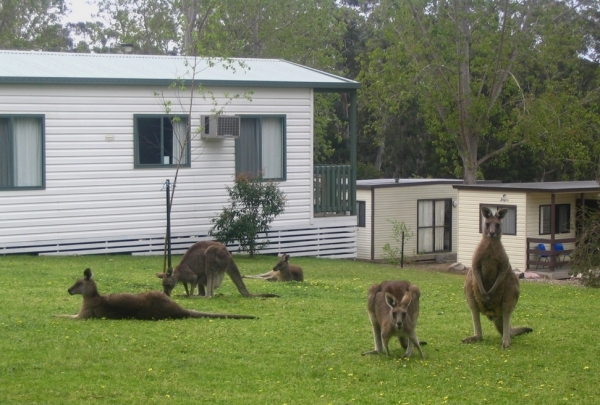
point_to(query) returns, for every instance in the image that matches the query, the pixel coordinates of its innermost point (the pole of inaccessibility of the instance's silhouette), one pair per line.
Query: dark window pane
(167, 141)
(248, 147)
(5, 154)
(149, 140)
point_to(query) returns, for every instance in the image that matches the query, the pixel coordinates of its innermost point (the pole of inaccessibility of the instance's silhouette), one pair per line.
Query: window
(260, 149)
(161, 141)
(21, 152)
(434, 225)
(509, 223)
(361, 209)
(562, 218)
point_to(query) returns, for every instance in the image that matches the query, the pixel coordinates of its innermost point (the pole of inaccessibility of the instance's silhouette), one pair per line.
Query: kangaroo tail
(236, 277)
(197, 314)
(519, 330)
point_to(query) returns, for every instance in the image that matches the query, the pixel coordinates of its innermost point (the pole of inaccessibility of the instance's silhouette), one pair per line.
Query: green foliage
(585, 259)
(401, 234)
(254, 204)
(304, 348)
(367, 171)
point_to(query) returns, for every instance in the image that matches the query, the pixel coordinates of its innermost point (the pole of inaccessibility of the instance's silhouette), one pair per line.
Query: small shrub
(255, 203)
(393, 255)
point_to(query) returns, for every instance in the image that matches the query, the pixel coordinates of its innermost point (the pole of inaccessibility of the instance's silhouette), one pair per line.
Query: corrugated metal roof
(549, 187)
(80, 68)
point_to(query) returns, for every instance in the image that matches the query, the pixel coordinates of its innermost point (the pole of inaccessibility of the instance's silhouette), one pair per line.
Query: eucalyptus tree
(33, 25)
(468, 63)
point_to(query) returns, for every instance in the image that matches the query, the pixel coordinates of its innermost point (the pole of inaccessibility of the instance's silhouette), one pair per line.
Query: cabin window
(260, 149)
(161, 141)
(509, 223)
(562, 218)
(434, 225)
(361, 209)
(21, 152)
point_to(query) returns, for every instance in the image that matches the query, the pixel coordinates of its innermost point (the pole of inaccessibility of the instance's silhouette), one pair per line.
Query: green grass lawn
(305, 348)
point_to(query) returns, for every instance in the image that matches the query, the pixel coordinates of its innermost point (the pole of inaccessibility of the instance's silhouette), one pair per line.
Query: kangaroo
(195, 261)
(151, 305)
(393, 308)
(282, 271)
(183, 274)
(491, 287)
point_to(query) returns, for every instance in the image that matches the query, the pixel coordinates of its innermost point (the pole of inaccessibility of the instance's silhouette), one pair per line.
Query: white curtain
(272, 148)
(27, 152)
(440, 213)
(179, 141)
(425, 235)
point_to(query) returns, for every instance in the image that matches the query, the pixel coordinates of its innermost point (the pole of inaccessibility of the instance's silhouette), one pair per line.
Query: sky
(81, 11)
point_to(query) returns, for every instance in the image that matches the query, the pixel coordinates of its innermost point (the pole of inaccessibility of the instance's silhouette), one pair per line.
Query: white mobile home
(538, 214)
(88, 140)
(425, 206)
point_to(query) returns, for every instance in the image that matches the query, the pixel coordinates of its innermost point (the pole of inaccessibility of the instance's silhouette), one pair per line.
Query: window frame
(42, 118)
(556, 218)
(447, 227)
(136, 142)
(498, 207)
(283, 118)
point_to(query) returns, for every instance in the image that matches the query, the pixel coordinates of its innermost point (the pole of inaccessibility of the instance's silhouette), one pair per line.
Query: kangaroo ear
(390, 300)
(160, 275)
(502, 213)
(406, 299)
(286, 257)
(170, 271)
(487, 213)
(87, 273)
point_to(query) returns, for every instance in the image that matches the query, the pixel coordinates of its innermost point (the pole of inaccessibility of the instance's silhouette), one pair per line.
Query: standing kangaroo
(200, 257)
(393, 308)
(282, 271)
(491, 287)
(151, 305)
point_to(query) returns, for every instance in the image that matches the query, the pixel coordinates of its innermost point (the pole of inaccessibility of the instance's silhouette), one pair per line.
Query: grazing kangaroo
(282, 271)
(195, 261)
(182, 274)
(151, 305)
(393, 308)
(491, 287)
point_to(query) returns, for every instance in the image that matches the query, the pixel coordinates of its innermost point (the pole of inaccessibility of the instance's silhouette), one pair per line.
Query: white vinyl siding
(469, 235)
(93, 191)
(400, 204)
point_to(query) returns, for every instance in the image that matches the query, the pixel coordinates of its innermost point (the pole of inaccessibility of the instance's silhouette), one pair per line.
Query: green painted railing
(334, 191)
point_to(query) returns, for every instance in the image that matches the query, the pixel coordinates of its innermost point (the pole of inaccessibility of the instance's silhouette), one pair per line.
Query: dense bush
(585, 259)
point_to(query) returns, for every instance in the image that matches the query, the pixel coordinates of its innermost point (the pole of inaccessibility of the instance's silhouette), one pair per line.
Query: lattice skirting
(318, 241)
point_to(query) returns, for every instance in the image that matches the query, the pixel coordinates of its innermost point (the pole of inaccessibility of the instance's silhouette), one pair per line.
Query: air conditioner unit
(220, 127)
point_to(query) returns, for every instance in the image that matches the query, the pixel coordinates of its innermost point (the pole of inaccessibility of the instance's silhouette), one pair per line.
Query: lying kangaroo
(393, 308)
(151, 305)
(491, 287)
(195, 261)
(282, 271)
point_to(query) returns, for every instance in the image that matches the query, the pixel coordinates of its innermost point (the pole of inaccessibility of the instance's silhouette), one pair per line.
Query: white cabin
(87, 142)
(538, 213)
(425, 206)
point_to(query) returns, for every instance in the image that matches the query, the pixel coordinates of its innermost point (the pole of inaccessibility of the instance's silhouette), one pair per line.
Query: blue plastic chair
(541, 246)
(560, 248)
